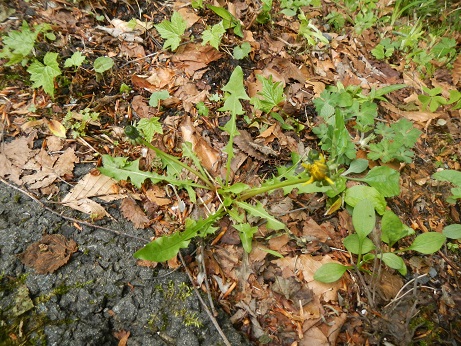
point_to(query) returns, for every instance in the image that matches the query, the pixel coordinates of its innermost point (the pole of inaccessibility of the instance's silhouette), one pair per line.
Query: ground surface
(100, 294)
(66, 283)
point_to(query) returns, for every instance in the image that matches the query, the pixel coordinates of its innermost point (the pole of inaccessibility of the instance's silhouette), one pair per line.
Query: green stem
(265, 189)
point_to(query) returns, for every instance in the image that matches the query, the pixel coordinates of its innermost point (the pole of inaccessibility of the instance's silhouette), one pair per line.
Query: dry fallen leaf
(134, 213)
(48, 168)
(49, 253)
(122, 337)
(13, 156)
(157, 195)
(208, 156)
(91, 185)
(57, 128)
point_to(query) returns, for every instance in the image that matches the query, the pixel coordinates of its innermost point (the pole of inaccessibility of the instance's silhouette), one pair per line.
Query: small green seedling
(172, 31)
(43, 75)
(19, 44)
(103, 64)
(213, 35)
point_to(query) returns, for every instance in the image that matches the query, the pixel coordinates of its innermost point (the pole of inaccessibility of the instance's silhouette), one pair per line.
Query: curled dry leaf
(49, 253)
(208, 156)
(91, 185)
(134, 213)
(57, 128)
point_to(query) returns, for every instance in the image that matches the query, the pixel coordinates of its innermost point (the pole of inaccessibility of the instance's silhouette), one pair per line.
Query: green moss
(174, 297)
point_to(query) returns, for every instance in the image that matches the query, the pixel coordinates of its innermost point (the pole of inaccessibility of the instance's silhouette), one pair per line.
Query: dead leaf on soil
(125, 31)
(134, 213)
(308, 266)
(157, 195)
(14, 155)
(419, 116)
(49, 253)
(90, 185)
(48, 168)
(208, 156)
(122, 337)
(193, 57)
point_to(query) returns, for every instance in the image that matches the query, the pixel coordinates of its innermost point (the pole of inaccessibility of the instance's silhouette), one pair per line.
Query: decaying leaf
(134, 213)
(14, 155)
(57, 128)
(208, 156)
(308, 265)
(157, 195)
(90, 185)
(193, 57)
(122, 337)
(243, 142)
(48, 168)
(49, 253)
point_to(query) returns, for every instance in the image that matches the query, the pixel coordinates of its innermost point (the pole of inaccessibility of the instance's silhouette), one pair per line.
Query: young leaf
(384, 179)
(242, 51)
(392, 229)
(364, 218)
(172, 31)
(234, 188)
(452, 231)
(358, 246)
(271, 252)
(236, 91)
(272, 94)
(102, 64)
(428, 243)
(394, 262)
(120, 169)
(357, 166)
(213, 35)
(246, 232)
(359, 192)
(163, 248)
(43, 74)
(259, 211)
(149, 127)
(449, 175)
(76, 60)
(19, 44)
(157, 96)
(330, 272)
(453, 177)
(229, 21)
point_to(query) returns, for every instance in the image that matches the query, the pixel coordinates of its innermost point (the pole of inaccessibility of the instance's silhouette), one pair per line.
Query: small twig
(212, 318)
(71, 218)
(398, 296)
(207, 285)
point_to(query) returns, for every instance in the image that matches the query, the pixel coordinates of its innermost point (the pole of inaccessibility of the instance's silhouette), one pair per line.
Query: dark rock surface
(100, 290)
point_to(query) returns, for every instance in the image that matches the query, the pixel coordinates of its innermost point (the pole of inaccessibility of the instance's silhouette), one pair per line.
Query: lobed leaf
(259, 211)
